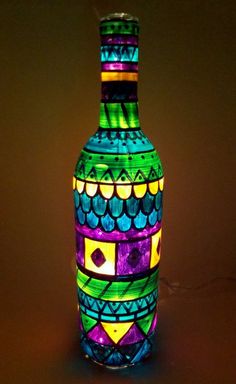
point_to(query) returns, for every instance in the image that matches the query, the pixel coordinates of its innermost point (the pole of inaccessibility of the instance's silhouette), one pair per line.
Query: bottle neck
(119, 75)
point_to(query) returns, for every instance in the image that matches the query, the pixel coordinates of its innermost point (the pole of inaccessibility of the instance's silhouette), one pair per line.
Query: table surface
(195, 342)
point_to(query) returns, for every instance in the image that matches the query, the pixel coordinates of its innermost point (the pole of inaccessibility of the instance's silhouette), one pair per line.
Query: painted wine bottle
(118, 187)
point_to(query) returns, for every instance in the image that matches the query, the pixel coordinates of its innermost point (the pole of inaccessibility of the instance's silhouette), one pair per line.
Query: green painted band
(116, 290)
(119, 27)
(119, 115)
(121, 169)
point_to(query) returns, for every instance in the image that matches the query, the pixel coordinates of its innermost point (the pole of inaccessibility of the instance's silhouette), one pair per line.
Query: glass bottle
(118, 184)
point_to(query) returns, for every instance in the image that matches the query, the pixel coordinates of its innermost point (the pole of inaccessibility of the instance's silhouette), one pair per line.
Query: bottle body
(118, 186)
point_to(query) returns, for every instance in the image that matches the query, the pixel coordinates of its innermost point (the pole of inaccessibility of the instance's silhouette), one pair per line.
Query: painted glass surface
(118, 187)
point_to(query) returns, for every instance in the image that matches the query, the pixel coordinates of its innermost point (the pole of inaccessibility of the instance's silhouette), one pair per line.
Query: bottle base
(112, 367)
(116, 368)
(117, 357)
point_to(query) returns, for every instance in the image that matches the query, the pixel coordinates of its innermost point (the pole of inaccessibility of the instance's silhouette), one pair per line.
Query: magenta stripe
(119, 39)
(128, 67)
(99, 234)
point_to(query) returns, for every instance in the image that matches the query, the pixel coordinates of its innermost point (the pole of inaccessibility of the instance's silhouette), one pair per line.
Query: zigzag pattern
(123, 168)
(117, 310)
(121, 53)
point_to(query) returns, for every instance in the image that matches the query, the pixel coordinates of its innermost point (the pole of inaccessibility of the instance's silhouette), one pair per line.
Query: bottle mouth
(119, 16)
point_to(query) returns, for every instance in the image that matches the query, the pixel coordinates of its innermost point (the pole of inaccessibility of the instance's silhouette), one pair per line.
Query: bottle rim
(119, 16)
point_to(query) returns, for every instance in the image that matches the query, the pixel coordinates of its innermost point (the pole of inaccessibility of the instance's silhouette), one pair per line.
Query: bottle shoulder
(119, 157)
(120, 142)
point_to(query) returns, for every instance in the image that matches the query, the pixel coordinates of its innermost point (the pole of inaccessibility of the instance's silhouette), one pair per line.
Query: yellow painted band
(119, 76)
(140, 190)
(161, 183)
(123, 191)
(107, 190)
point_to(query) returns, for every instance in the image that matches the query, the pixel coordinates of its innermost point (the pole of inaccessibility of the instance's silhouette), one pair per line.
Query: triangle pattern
(98, 335)
(95, 306)
(92, 174)
(141, 304)
(123, 176)
(81, 170)
(107, 176)
(114, 306)
(100, 352)
(154, 323)
(144, 350)
(134, 307)
(114, 359)
(123, 310)
(86, 347)
(128, 304)
(130, 350)
(146, 322)
(152, 174)
(116, 330)
(101, 305)
(132, 336)
(87, 322)
(117, 356)
(140, 177)
(108, 309)
(86, 301)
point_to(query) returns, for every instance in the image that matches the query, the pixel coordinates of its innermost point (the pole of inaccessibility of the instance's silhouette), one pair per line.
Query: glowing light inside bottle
(118, 187)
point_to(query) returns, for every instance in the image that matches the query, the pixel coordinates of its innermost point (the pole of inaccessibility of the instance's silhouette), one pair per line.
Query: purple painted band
(119, 39)
(119, 91)
(99, 234)
(128, 67)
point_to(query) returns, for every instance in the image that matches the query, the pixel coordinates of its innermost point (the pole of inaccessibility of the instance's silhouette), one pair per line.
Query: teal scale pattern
(117, 213)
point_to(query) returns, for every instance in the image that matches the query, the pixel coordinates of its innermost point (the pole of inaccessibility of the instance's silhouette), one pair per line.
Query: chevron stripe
(119, 53)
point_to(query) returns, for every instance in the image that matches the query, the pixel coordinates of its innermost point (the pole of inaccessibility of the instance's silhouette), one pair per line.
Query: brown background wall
(49, 107)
